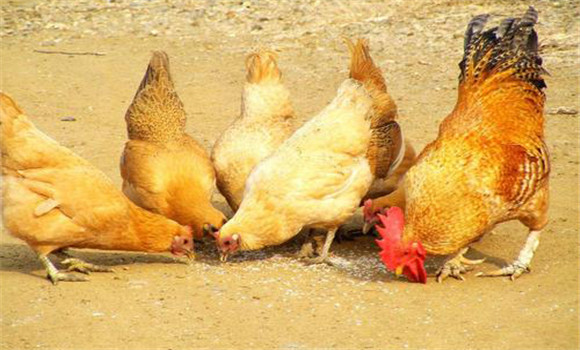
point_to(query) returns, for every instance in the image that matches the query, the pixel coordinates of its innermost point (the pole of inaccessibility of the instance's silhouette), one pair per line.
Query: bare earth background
(264, 299)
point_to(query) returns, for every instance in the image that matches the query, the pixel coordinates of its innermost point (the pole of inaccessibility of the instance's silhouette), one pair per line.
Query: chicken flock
(489, 164)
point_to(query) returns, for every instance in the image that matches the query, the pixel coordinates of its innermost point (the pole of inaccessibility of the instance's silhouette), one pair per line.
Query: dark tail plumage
(511, 47)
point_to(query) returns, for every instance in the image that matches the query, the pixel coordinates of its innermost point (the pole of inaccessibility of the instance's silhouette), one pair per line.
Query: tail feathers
(363, 69)
(26, 147)
(8, 108)
(156, 113)
(386, 149)
(157, 72)
(262, 66)
(511, 47)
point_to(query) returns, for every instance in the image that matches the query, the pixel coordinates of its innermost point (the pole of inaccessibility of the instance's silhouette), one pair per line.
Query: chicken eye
(227, 242)
(185, 241)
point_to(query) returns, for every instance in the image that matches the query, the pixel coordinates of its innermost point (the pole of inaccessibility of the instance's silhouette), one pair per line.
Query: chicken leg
(455, 266)
(322, 258)
(522, 263)
(55, 275)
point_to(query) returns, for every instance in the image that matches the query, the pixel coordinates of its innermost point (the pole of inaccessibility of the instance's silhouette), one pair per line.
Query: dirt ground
(264, 299)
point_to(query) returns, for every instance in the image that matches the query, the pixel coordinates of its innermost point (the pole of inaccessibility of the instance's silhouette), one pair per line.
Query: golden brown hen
(54, 199)
(489, 163)
(164, 169)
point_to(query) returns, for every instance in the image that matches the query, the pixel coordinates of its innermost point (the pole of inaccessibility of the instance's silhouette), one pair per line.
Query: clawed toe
(84, 267)
(318, 260)
(456, 266)
(67, 277)
(513, 270)
(452, 270)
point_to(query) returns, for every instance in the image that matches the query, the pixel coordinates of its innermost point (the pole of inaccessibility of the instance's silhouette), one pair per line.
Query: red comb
(392, 251)
(390, 233)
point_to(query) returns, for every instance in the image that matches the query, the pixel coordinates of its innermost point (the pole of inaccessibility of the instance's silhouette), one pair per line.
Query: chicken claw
(457, 265)
(68, 277)
(306, 251)
(55, 275)
(522, 263)
(319, 260)
(514, 270)
(78, 265)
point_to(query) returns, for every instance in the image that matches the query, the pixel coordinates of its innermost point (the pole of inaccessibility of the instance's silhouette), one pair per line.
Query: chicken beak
(399, 270)
(190, 255)
(224, 257)
(366, 227)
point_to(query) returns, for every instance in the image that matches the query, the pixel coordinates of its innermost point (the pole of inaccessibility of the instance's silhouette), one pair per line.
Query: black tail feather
(512, 45)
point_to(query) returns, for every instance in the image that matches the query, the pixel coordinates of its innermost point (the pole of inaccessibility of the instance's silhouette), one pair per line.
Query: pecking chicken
(53, 199)
(489, 163)
(164, 170)
(267, 119)
(317, 177)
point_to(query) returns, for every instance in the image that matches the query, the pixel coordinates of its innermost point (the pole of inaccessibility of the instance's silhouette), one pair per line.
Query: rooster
(489, 163)
(165, 170)
(317, 178)
(267, 119)
(53, 199)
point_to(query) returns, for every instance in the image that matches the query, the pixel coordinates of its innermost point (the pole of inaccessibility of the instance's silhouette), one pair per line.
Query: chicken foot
(522, 263)
(307, 247)
(457, 265)
(323, 256)
(55, 275)
(76, 264)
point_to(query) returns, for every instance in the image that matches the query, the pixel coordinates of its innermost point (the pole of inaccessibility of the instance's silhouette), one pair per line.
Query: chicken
(489, 163)
(317, 178)
(164, 170)
(267, 119)
(53, 199)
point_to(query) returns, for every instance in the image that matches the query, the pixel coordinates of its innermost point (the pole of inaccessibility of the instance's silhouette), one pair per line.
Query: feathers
(156, 113)
(53, 198)
(386, 149)
(165, 170)
(363, 69)
(266, 120)
(316, 178)
(45, 206)
(262, 67)
(386, 146)
(512, 47)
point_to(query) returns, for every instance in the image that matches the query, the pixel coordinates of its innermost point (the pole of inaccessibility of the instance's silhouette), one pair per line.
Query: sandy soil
(264, 299)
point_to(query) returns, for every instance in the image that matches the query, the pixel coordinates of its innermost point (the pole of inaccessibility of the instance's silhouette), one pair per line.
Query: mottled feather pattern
(511, 46)
(156, 113)
(489, 163)
(386, 143)
(164, 169)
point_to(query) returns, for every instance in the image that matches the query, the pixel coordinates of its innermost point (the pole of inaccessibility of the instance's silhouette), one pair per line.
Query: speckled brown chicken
(164, 169)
